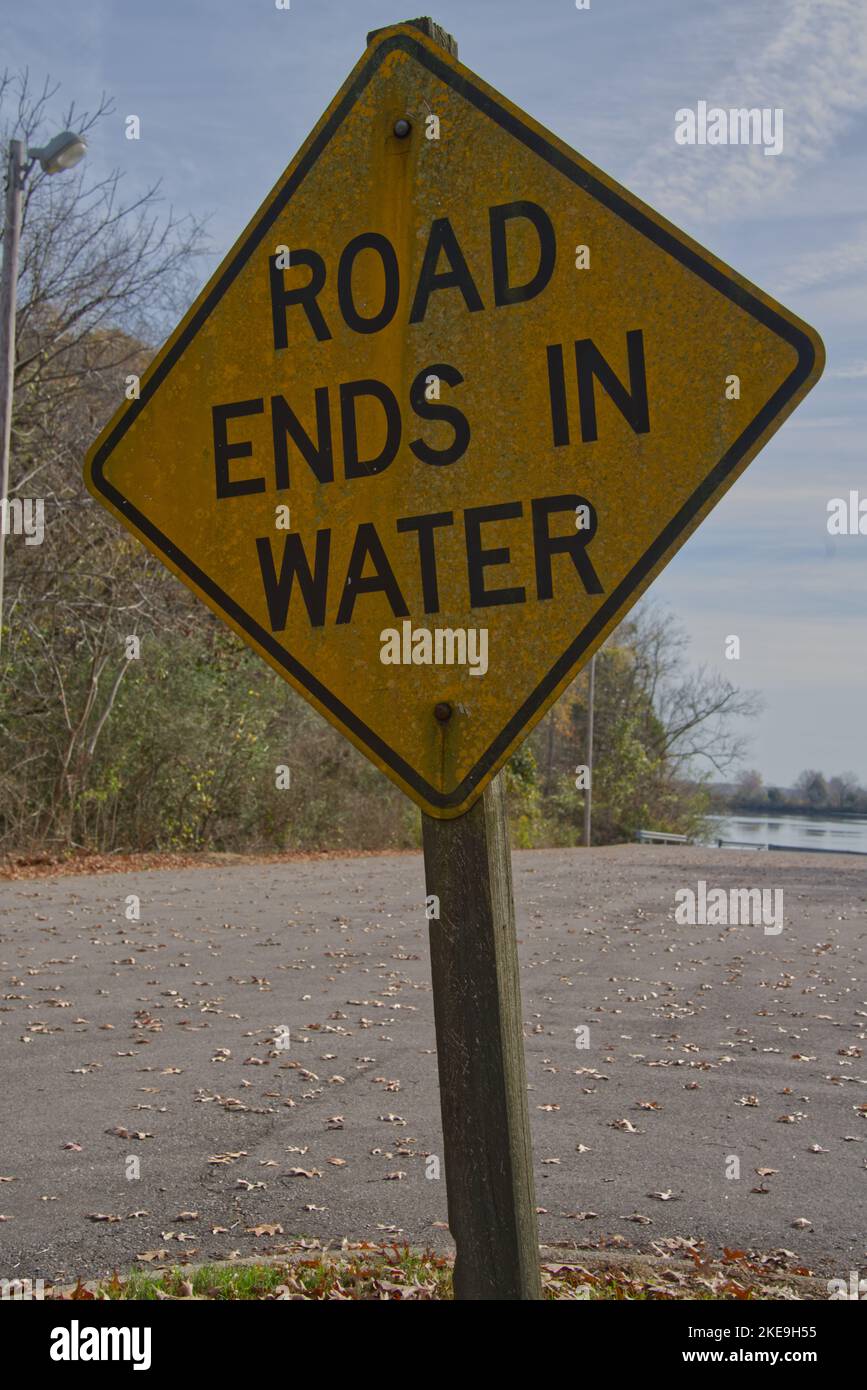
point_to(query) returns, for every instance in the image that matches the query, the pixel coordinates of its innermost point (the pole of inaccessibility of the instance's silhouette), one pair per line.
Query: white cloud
(814, 67)
(853, 372)
(821, 267)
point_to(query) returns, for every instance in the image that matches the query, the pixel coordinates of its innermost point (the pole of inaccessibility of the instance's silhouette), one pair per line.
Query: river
(795, 832)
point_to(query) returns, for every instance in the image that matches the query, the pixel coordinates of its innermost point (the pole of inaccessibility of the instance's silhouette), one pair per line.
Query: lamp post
(588, 790)
(64, 151)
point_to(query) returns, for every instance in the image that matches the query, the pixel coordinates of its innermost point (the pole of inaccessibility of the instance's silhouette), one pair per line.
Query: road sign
(450, 403)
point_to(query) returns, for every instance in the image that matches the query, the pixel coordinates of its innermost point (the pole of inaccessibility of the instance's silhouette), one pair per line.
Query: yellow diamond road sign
(450, 403)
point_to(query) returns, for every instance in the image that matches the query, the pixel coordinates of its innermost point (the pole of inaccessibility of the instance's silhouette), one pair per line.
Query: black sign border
(461, 83)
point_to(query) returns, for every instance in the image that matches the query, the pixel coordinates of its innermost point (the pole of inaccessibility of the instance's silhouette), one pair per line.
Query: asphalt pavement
(253, 1060)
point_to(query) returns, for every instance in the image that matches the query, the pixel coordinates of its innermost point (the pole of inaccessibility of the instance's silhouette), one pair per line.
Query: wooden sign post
(479, 1030)
(480, 1051)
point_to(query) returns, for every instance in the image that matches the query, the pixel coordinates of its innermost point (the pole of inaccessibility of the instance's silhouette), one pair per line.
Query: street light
(64, 151)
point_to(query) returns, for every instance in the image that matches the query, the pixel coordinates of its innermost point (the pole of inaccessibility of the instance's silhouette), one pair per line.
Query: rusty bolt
(443, 711)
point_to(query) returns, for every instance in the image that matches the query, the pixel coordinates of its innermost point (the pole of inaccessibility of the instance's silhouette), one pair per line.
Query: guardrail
(665, 837)
(816, 849)
(786, 849)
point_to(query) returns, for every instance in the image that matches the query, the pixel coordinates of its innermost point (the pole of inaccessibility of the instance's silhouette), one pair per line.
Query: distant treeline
(813, 794)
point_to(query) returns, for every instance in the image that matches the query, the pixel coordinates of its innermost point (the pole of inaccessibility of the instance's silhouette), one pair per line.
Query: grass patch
(377, 1273)
(399, 1273)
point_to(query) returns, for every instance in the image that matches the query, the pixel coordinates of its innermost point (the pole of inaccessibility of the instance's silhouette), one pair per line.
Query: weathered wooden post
(480, 1037)
(480, 1050)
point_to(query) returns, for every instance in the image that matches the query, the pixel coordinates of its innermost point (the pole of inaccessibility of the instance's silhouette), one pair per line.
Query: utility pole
(63, 152)
(588, 790)
(15, 176)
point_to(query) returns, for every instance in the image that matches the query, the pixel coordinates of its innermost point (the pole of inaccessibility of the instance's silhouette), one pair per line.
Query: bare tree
(844, 791)
(813, 787)
(697, 715)
(100, 278)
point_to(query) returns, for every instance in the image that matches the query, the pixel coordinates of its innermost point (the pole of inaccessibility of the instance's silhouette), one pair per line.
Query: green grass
(392, 1273)
(368, 1272)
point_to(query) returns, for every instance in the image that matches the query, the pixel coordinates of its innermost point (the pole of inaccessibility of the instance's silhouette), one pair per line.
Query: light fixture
(65, 150)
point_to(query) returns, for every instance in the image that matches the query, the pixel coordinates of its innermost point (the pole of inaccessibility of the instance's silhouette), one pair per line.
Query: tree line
(841, 794)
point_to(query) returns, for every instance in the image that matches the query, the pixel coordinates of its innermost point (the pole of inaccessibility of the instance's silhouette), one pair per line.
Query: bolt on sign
(450, 403)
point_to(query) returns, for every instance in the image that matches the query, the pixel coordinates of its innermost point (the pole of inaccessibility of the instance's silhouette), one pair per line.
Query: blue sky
(226, 91)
